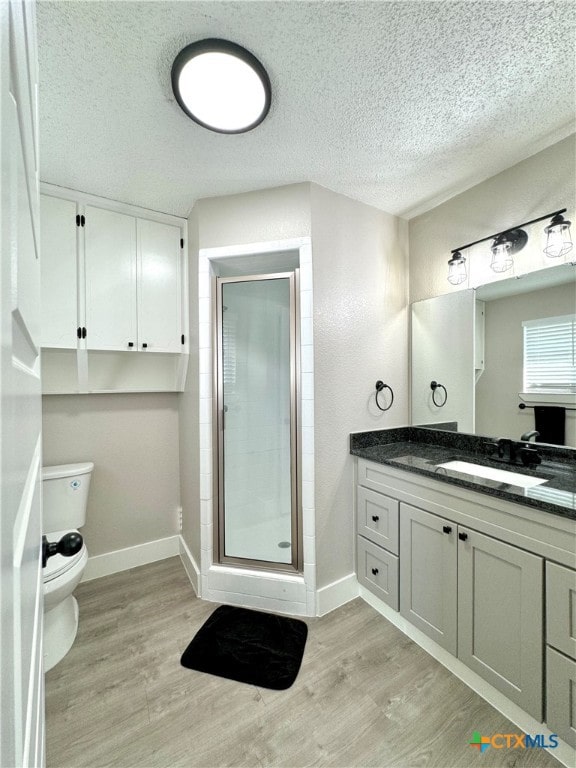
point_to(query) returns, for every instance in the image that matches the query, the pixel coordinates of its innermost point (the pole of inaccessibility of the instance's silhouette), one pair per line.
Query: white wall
(542, 183)
(360, 335)
(133, 441)
(497, 411)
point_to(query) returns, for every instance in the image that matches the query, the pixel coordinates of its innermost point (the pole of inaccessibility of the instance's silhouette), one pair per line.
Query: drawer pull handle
(374, 571)
(375, 518)
(447, 529)
(462, 536)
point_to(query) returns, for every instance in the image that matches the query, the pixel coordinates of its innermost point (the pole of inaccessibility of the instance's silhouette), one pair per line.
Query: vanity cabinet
(561, 651)
(478, 598)
(113, 284)
(491, 582)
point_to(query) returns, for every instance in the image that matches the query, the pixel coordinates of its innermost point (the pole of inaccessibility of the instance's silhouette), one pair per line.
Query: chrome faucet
(527, 435)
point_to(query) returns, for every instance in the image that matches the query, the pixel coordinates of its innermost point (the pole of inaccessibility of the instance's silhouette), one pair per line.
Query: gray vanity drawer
(561, 695)
(378, 571)
(377, 518)
(561, 608)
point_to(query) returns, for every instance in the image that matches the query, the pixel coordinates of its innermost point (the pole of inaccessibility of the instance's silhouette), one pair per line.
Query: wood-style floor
(365, 696)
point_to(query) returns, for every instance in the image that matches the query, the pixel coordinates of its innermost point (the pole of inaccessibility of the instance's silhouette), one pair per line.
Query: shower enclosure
(257, 376)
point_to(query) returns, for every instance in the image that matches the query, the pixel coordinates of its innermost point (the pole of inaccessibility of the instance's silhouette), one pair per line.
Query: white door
(59, 273)
(21, 681)
(110, 258)
(159, 287)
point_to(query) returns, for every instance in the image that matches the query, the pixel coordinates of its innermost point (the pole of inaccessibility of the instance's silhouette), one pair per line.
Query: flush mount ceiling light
(221, 86)
(510, 241)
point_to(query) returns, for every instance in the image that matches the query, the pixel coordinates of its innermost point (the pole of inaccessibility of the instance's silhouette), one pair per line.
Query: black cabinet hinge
(181, 242)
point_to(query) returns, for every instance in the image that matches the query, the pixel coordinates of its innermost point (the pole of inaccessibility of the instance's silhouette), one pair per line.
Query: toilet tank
(65, 495)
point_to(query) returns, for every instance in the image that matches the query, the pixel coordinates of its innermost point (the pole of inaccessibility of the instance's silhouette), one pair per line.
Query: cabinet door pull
(447, 528)
(375, 518)
(462, 536)
(144, 345)
(83, 333)
(374, 571)
(130, 343)
(79, 332)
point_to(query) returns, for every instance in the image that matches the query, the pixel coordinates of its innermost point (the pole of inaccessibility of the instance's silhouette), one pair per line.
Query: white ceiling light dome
(221, 86)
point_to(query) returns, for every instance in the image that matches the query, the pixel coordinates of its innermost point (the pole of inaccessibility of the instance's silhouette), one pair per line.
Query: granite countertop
(420, 450)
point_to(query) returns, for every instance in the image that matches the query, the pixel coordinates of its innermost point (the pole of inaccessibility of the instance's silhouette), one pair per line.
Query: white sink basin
(499, 475)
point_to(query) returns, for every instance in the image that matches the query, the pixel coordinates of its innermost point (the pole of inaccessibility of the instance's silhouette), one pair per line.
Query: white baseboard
(338, 593)
(563, 752)
(190, 565)
(130, 557)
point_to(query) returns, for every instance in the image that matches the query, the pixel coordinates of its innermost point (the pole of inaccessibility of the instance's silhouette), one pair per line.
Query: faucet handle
(530, 456)
(491, 448)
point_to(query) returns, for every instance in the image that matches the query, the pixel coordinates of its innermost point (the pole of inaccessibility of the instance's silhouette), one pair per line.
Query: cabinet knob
(144, 345)
(462, 536)
(375, 518)
(447, 529)
(130, 343)
(374, 571)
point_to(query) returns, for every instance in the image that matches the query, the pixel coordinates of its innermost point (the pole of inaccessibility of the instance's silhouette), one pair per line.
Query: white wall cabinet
(59, 272)
(114, 288)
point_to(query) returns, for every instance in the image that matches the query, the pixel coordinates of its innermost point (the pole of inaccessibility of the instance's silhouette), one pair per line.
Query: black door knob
(447, 529)
(462, 536)
(70, 544)
(374, 571)
(375, 518)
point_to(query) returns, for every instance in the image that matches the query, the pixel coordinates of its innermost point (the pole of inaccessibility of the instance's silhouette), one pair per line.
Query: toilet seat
(58, 564)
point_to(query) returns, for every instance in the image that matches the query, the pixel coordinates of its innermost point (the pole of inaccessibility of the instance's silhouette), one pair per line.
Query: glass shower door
(257, 420)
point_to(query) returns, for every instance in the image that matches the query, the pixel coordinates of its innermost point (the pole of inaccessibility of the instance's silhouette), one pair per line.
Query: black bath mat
(248, 646)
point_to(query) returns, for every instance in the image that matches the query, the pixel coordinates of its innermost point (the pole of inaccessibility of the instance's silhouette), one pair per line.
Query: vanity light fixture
(508, 242)
(559, 239)
(221, 86)
(457, 268)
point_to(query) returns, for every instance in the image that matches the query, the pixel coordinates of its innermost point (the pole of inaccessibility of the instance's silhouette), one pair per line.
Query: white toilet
(65, 496)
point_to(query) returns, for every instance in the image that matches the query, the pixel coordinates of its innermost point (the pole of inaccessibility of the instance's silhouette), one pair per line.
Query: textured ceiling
(398, 104)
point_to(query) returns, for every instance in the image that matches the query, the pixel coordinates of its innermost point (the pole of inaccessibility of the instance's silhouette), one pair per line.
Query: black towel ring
(379, 387)
(434, 385)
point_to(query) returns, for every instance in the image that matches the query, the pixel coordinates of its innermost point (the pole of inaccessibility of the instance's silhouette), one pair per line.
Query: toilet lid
(58, 564)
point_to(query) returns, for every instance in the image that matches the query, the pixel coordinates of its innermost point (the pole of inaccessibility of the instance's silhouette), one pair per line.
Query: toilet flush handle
(70, 544)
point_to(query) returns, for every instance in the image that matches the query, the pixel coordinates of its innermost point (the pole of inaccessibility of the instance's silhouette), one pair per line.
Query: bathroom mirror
(471, 342)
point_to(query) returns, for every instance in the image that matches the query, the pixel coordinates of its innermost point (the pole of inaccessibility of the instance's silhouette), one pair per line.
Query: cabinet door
(561, 608)
(561, 695)
(500, 617)
(428, 569)
(159, 287)
(110, 259)
(59, 273)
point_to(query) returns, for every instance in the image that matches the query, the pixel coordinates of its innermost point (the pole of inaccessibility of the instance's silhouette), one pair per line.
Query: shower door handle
(224, 411)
